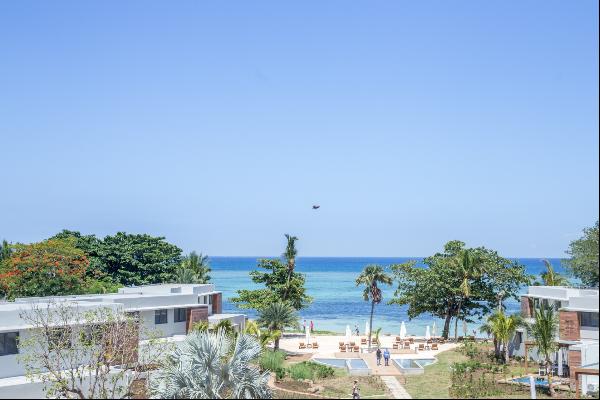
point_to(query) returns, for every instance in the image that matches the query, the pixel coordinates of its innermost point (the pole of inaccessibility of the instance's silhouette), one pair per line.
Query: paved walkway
(397, 390)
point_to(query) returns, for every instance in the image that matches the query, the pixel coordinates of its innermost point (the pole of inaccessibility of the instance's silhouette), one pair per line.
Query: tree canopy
(275, 283)
(583, 261)
(439, 289)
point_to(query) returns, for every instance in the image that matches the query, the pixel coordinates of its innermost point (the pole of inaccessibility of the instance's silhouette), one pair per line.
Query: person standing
(386, 357)
(356, 331)
(355, 391)
(378, 356)
(312, 326)
(304, 326)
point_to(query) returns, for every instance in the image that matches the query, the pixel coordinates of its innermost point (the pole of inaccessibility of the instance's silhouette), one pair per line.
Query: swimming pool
(539, 382)
(355, 366)
(413, 366)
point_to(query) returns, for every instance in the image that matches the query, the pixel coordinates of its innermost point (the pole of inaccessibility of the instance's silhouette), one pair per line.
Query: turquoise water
(540, 382)
(337, 301)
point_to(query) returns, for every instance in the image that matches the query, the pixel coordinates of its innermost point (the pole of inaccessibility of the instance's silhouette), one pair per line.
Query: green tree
(51, 267)
(551, 277)
(290, 257)
(5, 250)
(583, 261)
(275, 283)
(193, 269)
(544, 331)
(436, 290)
(469, 267)
(213, 366)
(276, 317)
(371, 277)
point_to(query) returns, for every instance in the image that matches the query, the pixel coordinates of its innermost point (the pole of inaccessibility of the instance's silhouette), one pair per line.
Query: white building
(168, 310)
(578, 329)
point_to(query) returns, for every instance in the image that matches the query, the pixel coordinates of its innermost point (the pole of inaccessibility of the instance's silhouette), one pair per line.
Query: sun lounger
(301, 345)
(421, 346)
(343, 349)
(398, 339)
(315, 345)
(352, 344)
(411, 340)
(356, 349)
(434, 346)
(407, 345)
(395, 346)
(363, 341)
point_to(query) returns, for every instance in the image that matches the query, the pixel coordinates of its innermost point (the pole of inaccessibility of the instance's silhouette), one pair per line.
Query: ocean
(337, 302)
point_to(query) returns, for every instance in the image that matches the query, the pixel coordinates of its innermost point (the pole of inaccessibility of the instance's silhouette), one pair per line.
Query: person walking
(356, 331)
(386, 357)
(378, 356)
(355, 391)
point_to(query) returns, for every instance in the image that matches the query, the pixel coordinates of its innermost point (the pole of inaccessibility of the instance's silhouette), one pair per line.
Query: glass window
(160, 317)
(180, 314)
(8, 343)
(588, 319)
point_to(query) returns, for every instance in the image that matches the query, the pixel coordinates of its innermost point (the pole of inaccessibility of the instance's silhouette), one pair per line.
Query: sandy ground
(329, 346)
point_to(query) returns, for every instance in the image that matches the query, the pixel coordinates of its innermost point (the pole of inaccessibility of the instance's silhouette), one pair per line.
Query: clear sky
(219, 124)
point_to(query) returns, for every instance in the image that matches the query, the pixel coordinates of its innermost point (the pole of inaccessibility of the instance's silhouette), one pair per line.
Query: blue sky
(219, 124)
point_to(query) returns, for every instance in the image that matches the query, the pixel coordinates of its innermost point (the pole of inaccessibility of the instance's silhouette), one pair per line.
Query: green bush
(271, 360)
(310, 370)
(280, 373)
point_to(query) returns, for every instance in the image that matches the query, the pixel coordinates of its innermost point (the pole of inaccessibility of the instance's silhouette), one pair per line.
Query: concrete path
(397, 390)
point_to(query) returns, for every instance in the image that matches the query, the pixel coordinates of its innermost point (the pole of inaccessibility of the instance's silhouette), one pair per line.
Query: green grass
(434, 383)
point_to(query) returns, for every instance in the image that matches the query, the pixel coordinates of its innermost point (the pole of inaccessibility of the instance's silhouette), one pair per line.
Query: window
(519, 337)
(588, 319)
(160, 317)
(8, 343)
(180, 314)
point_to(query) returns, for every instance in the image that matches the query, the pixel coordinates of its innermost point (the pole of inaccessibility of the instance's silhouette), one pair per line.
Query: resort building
(577, 334)
(168, 310)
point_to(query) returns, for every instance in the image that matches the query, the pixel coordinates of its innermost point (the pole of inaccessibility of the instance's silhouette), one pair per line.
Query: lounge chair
(411, 340)
(363, 341)
(342, 344)
(315, 345)
(395, 346)
(407, 345)
(398, 339)
(434, 346)
(343, 349)
(421, 346)
(301, 345)
(356, 349)
(352, 344)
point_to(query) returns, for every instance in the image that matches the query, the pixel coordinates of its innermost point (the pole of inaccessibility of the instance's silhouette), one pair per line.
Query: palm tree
(263, 336)
(544, 332)
(185, 275)
(290, 257)
(199, 264)
(371, 277)
(551, 277)
(470, 267)
(502, 328)
(212, 366)
(224, 325)
(276, 317)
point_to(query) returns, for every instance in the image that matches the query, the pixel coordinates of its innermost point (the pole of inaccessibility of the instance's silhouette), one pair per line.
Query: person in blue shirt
(386, 357)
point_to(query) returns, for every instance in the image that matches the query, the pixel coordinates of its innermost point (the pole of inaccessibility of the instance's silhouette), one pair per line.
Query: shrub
(271, 360)
(310, 370)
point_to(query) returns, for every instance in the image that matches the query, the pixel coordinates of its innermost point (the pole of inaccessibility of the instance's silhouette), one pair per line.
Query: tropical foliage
(441, 289)
(551, 277)
(289, 256)
(544, 332)
(371, 277)
(5, 250)
(194, 268)
(276, 317)
(583, 261)
(502, 328)
(213, 366)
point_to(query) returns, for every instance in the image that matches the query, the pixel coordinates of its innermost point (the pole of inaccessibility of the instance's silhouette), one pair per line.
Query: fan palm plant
(371, 277)
(263, 336)
(185, 275)
(544, 332)
(502, 328)
(290, 257)
(276, 317)
(212, 366)
(551, 277)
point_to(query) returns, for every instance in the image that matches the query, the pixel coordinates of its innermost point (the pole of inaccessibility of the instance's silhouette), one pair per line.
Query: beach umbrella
(367, 330)
(427, 333)
(465, 328)
(348, 334)
(308, 335)
(402, 330)
(433, 329)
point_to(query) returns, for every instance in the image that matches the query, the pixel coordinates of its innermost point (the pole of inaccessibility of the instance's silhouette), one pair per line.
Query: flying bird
(316, 206)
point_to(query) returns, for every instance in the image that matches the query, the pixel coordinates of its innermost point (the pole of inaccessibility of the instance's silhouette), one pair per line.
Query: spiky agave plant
(213, 366)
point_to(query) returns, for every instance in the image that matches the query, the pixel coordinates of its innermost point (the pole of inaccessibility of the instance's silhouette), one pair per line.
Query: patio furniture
(398, 339)
(301, 345)
(315, 345)
(342, 344)
(363, 341)
(356, 349)
(411, 340)
(407, 345)
(542, 370)
(421, 346)
(352, 344)
(434, 346)
(342, 349)
(395, 346)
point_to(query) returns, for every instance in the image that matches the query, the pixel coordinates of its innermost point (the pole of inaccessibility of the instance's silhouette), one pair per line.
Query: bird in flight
(316, 206)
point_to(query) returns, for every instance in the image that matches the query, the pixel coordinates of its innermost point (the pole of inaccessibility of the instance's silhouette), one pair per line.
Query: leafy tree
(439, 289)
(290, 257)
(371, 277)
(551, 277)
(583, 263)
(213, 366)
(470, 268)
(275, 286)
(5, 250)
(276, 317)
(51, 267)
(544, 331)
